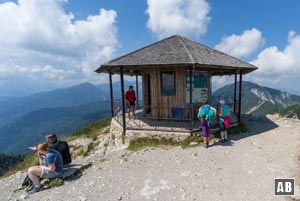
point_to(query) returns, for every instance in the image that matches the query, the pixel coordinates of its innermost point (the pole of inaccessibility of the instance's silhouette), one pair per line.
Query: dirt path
(242, 169)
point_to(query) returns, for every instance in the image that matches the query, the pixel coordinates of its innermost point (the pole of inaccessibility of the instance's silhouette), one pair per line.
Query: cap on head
(51, 136)
(222, 102)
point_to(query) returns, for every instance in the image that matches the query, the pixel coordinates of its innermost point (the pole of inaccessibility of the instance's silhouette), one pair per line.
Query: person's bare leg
(222, 135)
(34, 174)
(133, 111)
(205, 141)
(128, 110)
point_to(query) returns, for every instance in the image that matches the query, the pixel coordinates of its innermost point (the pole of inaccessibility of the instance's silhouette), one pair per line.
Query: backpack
(204, 111)
(221, 125)
(26, 184)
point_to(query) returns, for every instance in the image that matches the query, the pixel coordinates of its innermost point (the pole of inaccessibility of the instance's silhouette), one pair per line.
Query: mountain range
(259, 100)
(24, 121)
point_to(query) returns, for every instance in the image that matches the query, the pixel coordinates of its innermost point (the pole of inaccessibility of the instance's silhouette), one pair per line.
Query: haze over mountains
(25, 120)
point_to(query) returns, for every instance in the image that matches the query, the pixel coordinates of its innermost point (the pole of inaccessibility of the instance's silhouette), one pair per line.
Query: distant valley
(24, 121)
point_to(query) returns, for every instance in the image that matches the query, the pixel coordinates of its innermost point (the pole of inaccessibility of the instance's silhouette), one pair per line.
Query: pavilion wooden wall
(161, 105)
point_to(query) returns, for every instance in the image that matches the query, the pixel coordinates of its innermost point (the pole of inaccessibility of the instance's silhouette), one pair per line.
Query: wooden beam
(240, 97)
(209, 99)
(234, 95)
(191, 99)
(123, 104)
(137, 90)
(111, 95)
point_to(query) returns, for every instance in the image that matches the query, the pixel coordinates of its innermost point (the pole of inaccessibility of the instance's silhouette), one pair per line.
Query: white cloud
(241, 45)
(279, 69)
(184, 17)
(35, 72)
(273, 61)
(39, 39)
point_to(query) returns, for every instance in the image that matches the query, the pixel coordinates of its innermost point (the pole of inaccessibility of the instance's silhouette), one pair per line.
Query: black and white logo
(284, 186)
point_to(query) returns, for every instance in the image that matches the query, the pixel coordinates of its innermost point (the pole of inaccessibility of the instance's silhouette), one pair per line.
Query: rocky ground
(242, 169)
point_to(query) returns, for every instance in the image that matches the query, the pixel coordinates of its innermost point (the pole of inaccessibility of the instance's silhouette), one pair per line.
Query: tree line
(8, 161)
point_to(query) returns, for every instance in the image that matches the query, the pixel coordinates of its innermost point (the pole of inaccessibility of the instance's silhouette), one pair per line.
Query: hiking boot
(35, 189)
(222, 140)
(225, 140)
(30, 188)
(205, 145)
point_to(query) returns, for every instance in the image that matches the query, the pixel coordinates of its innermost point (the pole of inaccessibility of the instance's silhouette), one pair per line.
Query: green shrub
(56, 182)
(81, 152)
(113, 136)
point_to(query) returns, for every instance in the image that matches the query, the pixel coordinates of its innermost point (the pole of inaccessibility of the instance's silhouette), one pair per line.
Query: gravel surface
(242, 169)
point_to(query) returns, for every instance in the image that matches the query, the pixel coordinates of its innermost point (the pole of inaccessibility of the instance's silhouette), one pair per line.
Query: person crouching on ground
(205, 119)
(51, 166)
(130, 100)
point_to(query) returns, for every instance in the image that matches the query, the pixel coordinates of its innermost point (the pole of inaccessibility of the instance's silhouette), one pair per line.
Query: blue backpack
(206, 113)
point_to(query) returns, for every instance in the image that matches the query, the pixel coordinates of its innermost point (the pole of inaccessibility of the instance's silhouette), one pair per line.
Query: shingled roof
(177, 51)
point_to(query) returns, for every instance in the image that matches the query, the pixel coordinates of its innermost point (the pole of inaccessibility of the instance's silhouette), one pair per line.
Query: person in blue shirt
(224, 120)
(61, 146)
(51, 166)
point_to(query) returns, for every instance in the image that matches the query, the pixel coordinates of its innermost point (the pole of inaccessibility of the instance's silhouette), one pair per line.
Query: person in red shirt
(130, 100)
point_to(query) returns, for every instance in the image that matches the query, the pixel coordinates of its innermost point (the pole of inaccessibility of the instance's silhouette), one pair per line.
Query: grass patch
(90, 130)
(56, 182)
(141, 143)
(81, 152)
(113, 136)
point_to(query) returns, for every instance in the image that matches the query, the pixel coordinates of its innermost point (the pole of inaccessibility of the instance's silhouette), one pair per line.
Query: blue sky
(48, 44)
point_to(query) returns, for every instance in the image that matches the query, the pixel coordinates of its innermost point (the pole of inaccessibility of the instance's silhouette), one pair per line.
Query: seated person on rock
(51, 166)
(61, 146)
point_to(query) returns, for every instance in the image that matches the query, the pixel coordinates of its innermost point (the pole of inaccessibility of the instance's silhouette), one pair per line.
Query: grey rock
(24, 196)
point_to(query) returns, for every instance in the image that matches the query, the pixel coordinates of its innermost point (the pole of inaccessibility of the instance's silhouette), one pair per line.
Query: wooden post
(240, 98)
(191, 100)
(123, 103)
(137, 90)
(209, 99)
(111, 95)
(234, 95)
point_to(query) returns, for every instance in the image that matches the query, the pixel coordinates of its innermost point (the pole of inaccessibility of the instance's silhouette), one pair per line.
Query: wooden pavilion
(176, 73)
